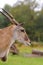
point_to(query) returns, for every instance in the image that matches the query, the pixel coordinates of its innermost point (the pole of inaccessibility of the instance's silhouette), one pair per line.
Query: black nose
(30, 41)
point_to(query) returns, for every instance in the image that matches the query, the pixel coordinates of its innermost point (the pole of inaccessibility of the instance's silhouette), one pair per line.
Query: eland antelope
(9, 34)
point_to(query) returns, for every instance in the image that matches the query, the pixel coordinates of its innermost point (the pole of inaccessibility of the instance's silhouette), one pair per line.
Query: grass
(22, 60)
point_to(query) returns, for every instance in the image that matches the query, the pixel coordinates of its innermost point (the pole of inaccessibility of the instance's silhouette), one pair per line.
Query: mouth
(28, 44)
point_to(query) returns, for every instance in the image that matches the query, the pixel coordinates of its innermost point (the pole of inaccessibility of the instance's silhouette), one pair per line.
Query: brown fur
(5, 37)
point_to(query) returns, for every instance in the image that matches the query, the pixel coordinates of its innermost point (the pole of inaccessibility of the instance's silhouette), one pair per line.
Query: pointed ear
(21, 24)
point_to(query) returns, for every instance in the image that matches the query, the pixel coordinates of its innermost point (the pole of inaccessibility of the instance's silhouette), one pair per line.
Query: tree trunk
(37, 52)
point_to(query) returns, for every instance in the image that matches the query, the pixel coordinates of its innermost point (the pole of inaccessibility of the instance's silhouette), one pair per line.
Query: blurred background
(30, 13)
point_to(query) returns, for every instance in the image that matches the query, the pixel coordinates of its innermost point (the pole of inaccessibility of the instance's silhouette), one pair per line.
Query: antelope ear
(21, 24)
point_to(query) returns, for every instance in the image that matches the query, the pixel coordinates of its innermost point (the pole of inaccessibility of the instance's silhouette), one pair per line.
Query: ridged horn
(9, 16)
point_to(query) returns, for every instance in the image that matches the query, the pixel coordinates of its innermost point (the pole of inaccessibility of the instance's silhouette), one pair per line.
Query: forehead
(20, 27)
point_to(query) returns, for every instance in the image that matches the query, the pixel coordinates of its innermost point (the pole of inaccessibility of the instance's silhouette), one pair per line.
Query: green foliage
(4, 22)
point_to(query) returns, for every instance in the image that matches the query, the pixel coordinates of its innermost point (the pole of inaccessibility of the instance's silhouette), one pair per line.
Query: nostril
(30, 41)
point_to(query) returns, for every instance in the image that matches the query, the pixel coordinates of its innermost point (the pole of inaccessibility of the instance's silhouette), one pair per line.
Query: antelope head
(19, 33)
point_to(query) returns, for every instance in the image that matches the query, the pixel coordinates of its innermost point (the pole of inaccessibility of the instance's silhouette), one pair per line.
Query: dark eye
(23, 30)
